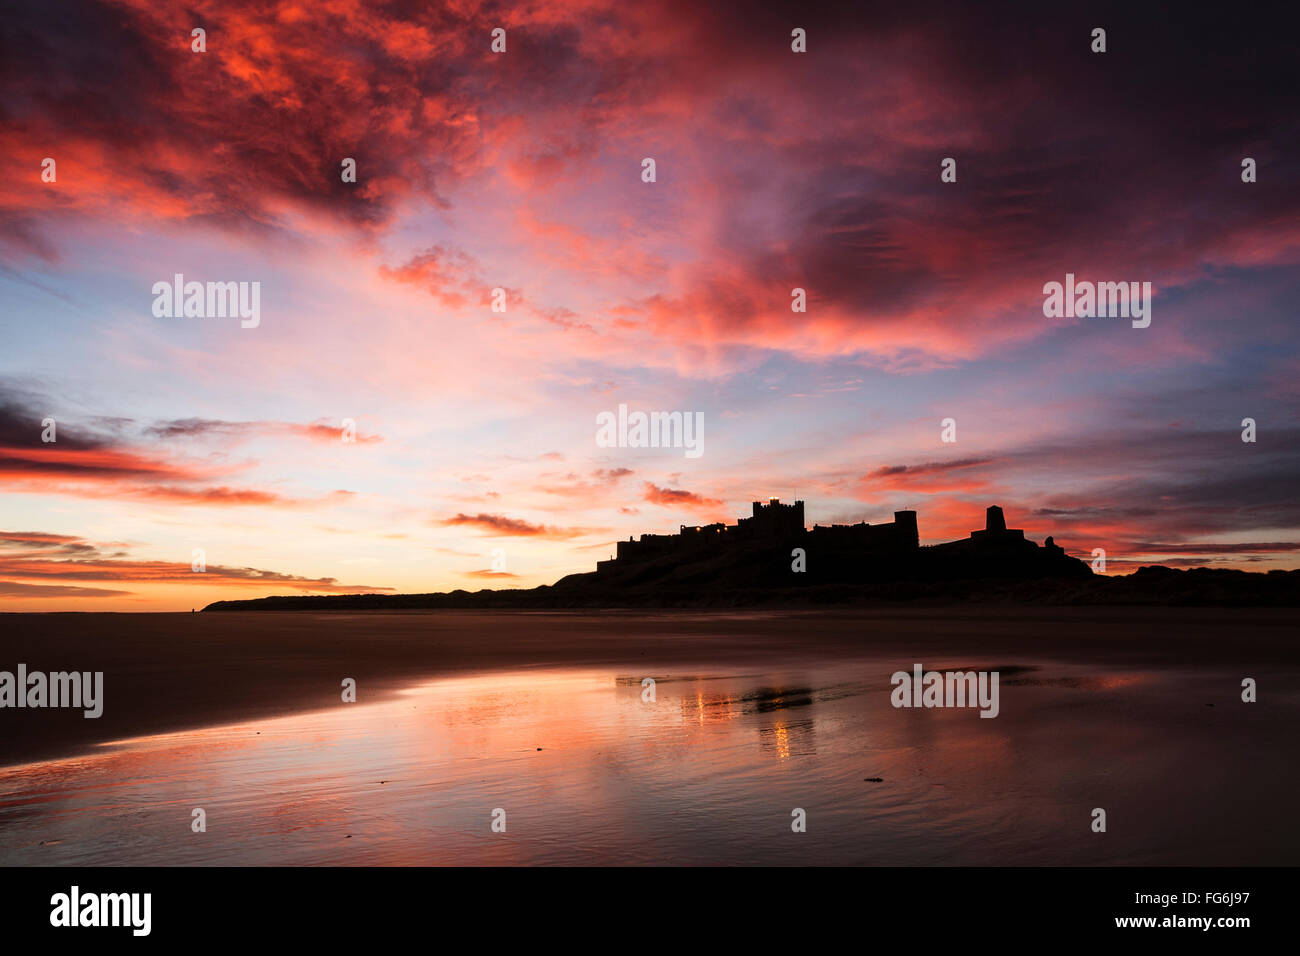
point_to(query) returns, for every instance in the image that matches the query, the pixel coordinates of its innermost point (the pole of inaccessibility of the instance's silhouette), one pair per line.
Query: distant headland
(772, 559)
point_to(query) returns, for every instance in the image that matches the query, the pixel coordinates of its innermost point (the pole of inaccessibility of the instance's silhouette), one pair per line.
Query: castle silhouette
(753, 563)
(837, 552)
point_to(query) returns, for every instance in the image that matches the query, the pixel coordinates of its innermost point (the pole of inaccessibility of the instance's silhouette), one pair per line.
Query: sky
(186, 442)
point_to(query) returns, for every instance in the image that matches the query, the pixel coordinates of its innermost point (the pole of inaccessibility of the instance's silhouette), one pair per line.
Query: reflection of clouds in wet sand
(589, 771)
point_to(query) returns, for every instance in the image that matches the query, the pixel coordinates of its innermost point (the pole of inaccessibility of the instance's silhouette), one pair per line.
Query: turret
(905, 529)
(994, 521)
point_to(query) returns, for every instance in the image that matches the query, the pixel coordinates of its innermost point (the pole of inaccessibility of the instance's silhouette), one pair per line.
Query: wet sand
(588, 769)
(170, 672)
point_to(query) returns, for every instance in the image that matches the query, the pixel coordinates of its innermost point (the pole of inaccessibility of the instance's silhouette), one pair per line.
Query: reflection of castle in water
(787, 738)
(780, 732)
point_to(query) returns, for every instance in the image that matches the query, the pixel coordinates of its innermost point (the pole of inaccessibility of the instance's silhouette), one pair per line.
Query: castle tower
(994, 522)
(773, 519)
(905, 529)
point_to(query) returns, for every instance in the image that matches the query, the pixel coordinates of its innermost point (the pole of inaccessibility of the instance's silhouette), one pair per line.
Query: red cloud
(929, 477)
(15, 589)
(25, 557)
(674, 497)
(449, 275)
(85, 463)
(510, 527)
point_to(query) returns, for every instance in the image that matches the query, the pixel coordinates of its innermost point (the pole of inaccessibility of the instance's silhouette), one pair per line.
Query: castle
(775, 524)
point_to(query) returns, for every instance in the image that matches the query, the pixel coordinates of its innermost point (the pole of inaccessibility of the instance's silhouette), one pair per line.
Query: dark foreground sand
(166, 672)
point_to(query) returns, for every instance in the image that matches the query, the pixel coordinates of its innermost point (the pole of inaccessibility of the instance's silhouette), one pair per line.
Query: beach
(656, 738)
(166, 672)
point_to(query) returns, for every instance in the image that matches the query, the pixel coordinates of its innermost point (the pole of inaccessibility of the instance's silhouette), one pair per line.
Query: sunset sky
(522, 170)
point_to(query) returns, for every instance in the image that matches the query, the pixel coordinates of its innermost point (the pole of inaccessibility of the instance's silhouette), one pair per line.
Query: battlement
(772, 519)
(773, 506)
